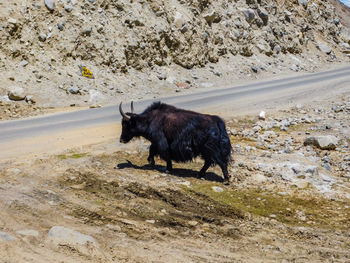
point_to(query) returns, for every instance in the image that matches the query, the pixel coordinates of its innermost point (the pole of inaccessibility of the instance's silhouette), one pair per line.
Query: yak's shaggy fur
(180, 135)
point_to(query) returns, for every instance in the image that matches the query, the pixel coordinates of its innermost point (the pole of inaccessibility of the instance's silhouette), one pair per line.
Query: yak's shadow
(180, 172)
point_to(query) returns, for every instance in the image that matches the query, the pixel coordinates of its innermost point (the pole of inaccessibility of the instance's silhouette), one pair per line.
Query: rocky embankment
(143, 49)
(306, 146)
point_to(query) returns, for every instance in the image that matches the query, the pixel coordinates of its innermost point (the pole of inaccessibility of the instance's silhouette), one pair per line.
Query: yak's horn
(126, 117)
(132, 107)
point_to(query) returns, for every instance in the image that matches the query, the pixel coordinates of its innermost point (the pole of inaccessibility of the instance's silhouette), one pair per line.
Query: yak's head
(129, 124)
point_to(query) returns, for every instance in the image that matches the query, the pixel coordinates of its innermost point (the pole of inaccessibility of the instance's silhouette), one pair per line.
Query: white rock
(16, 93)
(12, 21)
(324, 48)
(5, 237)
(186, 183)
(302, 184)
(68, 8)
(60, 236)
(323, 142)
(192, 223)
(95, 96)
(259, 178)
(23, 63)
(217, 189)
(262, 115)
(114, 227)
(178, 19)
(28, 232)
(50, 4)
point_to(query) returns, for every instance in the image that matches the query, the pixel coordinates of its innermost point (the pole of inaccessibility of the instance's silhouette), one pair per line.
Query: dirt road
(52, 133)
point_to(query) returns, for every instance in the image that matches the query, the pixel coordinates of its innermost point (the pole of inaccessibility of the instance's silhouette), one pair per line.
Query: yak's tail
(225, 144)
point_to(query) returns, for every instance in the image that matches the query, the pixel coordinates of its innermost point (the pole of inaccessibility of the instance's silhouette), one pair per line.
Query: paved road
(237, 99)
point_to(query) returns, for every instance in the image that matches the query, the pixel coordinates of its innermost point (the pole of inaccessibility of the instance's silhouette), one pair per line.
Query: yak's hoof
(200, 175)
(150, 161)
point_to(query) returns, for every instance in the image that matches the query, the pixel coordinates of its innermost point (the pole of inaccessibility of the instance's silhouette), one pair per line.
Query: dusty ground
(148, 49)
(287, 202)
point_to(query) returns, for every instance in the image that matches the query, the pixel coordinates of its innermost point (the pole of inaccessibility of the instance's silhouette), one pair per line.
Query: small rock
(262, 115)
(184, 28)
(192, 223)
(255, 69)
(259, 178)
(59, 236)
(68, 8)
(87, 31)
(327, 167)
(324, 48)
(74, 90)
(326, 178)
(23, 63)
(211, 17)
(183, 85)
(5, 237)
(28, 232)
(303, 2)
(264, 16)
(311, 170)
(217, 189)
(114, 227)
(50, 4)
(186, 183)
(302, 184)
(30, 99)
(249, 15)
(277, 49)
(151, 221)
(161, 75)
(42, 37)
(60, 26)
(95, 96)
(12, 21)
(178, 20)
(294, 67)
(296, 169)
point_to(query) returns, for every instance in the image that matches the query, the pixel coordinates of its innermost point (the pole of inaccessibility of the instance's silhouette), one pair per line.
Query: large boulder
(16, 93)
(324, 48)
(323, 142)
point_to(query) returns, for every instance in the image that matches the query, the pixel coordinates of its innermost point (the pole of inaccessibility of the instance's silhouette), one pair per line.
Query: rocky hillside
(343, 12)
(161, 46)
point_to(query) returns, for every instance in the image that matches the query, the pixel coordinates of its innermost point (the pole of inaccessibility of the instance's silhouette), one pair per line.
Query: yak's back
(161, 107)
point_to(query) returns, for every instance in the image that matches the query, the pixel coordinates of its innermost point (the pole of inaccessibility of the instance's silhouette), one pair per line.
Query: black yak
(179, 135)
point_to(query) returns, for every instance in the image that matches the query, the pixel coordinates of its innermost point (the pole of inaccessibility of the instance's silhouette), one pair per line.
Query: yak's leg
(169, 165)
(152, 153)
(204, 169)
(164, 152)
(223, 167)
